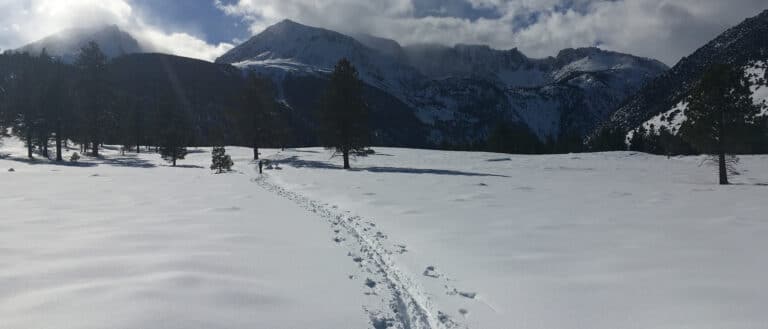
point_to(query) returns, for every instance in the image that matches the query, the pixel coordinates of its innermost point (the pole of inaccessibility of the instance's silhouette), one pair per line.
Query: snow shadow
(119, 161)
(182, 166)
(425, 171)
(44, 161)
(127, 161)
(296, 162)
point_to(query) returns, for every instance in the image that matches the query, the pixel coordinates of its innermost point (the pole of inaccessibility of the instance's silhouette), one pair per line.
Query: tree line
(45, 102)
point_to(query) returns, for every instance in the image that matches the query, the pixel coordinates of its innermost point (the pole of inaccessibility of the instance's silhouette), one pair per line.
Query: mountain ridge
(460, 92)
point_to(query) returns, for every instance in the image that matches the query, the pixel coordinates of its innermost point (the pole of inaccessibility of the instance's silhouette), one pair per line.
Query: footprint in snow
(370, 283)
(382, 323)
(465, 294)
(401, 249)
(470, 295)
(431, 272)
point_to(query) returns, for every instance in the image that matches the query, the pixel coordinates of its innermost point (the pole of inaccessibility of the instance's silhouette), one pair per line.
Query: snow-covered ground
(410, 238)
(614, 240)
(132, 243)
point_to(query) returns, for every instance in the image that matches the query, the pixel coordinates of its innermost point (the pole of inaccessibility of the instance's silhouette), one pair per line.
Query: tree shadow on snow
(118, 161)
(127, 161)
(185, 166)
(44, 161)
(299, 163)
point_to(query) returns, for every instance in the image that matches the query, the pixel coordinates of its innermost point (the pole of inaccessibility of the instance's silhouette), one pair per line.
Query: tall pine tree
(257, 121)
(91, 64)
(343, 114)
(175, 130)
(720, 110)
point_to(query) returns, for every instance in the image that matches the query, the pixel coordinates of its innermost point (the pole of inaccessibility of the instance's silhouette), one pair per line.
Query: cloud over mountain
(662, 29)
(25, 21)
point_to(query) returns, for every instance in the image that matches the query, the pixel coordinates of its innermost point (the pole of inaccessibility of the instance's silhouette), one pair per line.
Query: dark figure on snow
(261, 166)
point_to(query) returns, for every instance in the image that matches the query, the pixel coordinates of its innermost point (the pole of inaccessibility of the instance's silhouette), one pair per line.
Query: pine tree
(720, 109)
(58, 105)
(93, 92)
(220, 160)
(257, 120)
(344, 114)
(608, 139)
(638, 141)
(26, 91)
(175, 131)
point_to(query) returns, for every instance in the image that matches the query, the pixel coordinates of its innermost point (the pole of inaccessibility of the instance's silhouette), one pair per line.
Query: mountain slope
(459, 93)
(66, 45)
(744, 45)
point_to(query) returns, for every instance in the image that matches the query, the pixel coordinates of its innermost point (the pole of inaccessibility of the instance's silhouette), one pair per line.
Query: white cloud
(25, 21)
(663, 29)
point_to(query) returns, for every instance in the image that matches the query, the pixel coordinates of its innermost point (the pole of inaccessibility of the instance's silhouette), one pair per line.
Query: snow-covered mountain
(459, 93)
(113, 41)
(292, 47)
(661, 102)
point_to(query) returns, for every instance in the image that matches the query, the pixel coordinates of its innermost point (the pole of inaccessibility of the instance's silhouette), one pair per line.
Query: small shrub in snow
(74, 157)
(220, 160)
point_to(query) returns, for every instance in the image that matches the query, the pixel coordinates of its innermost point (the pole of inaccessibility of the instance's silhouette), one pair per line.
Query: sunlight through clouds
(22, 22)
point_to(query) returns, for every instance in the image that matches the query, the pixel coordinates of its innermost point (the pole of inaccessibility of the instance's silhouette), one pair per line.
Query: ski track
(409, 304)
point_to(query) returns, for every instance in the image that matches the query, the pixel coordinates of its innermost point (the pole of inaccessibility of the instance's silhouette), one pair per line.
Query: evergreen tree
(343, 117)
(220, 160)
(608, 139)
(257, 121)
(638, 142)
(25, 90)
(175, 134)
(91, 64)
(720, 110)
(58, 105)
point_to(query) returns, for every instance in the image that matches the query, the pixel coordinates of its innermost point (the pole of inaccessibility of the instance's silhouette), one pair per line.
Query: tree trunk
(29, 145)
(58, 142)
(345, 154)
(96, 149)
(723, 169)
(255, 152)
(174, 161)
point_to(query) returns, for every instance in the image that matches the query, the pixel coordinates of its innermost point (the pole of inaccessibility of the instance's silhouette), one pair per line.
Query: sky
(662, 29)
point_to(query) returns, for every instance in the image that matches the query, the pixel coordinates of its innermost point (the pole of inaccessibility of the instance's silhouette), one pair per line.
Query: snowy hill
(459, 93)
(113, 41)
(744, 45)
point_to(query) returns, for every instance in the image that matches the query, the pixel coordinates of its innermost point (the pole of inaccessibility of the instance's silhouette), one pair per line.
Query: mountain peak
(112, 40)
(290, 40)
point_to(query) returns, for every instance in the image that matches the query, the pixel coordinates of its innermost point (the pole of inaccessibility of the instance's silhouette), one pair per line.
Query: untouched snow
(409, 239)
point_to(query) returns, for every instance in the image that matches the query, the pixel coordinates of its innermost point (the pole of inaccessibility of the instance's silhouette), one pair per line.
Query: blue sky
(663, 29)
(197, 17)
